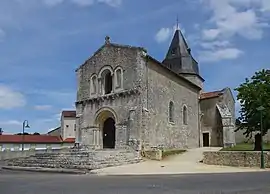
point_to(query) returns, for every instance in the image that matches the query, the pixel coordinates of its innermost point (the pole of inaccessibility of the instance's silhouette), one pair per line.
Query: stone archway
(109, 133)
(105, 120)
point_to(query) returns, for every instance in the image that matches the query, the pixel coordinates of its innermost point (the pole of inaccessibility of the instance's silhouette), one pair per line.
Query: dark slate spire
(179, 57)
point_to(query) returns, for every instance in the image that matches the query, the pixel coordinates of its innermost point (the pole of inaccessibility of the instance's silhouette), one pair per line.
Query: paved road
(33, 183)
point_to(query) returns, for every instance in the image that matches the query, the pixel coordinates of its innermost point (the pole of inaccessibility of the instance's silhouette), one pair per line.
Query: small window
(185, 115)
(67, 125)
(118, 78)
(173, 51)
(93, 85)
(74, 127)
(171, 112)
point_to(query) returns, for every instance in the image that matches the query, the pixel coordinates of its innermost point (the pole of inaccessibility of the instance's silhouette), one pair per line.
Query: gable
(107, 47)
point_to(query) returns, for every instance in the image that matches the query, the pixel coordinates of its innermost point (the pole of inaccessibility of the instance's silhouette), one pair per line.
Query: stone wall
(123, 103)
(211, 121)
(109, 56)
(236, 158)
(4, 155)
(241, 138)
(163, 86)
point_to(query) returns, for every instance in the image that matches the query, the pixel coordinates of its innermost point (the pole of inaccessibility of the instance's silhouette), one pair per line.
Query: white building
(68, 126)
(33, 142)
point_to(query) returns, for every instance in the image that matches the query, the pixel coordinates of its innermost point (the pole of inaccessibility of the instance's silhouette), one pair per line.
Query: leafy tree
(253, 93)
(36, 133)
(25, 133)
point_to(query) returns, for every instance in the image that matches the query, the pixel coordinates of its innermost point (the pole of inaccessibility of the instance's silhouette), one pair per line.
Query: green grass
(246, 147)
(166, 153)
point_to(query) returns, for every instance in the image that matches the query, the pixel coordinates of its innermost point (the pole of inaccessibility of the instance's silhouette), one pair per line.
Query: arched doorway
(109, 133)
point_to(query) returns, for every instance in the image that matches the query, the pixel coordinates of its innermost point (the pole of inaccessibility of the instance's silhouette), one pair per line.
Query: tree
(25, 133)
(253, 93)
(36, 133)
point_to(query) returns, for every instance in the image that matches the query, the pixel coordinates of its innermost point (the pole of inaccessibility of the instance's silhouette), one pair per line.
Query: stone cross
(107, 40)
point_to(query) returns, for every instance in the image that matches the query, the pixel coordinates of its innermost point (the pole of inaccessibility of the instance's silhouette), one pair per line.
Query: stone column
(132, 129)
(96, 138)
(90, 137)
(99, 89)
(228, 132)
(120, 136)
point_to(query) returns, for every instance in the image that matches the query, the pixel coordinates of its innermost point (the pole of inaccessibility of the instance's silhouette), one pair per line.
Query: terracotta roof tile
(69, 140)
(69, 113)
(30, 139)
(208, 95)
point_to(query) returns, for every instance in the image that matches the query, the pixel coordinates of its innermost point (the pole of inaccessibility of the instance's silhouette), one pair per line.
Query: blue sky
(42, 42)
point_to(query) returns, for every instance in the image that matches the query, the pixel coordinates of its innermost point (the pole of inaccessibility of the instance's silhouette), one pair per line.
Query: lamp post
(25, 125)
(261, 108)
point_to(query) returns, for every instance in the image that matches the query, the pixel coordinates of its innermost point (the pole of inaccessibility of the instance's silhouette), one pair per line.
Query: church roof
(173, 72)
(213, 94)
(179, 56)
(69, 113)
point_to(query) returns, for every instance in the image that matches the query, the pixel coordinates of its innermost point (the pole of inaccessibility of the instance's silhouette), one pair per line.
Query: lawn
(246, 147)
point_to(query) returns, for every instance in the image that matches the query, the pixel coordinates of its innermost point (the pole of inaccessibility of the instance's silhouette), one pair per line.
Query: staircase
(80, 160)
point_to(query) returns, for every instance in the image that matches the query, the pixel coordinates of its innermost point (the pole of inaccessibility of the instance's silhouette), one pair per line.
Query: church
(128, 99)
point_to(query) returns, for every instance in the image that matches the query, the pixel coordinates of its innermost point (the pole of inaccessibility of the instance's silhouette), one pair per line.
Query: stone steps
(87, 160)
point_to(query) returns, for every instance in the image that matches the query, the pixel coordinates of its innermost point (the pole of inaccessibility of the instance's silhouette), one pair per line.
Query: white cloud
(53, 2)
(10, 99)
(11, 122)
(237, 106)
(112, 3)
(230, 20)
(163, 35)
(42, 107)
(265, 6)
(83, 2)
(215, 44)
(220, 54)
(210, 34)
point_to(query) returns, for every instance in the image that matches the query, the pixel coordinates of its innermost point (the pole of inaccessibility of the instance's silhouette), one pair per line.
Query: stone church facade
(127, 98)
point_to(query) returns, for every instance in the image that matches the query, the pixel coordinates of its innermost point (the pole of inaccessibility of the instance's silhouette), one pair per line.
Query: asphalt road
(37, 183)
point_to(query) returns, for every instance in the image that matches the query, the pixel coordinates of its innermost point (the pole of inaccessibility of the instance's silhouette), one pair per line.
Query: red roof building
(69, 113)
(208, 95)
(34, 139)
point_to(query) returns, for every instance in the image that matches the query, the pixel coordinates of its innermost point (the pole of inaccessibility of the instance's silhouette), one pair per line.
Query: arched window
(108, 83)
(119, 78)
(171, 112)
(106, 80)
(93, 86)
(185, 115)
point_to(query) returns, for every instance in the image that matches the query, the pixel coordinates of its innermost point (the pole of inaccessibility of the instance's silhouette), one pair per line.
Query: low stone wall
(152, 154)
(5, 155)
(159, 154)
(236, 158)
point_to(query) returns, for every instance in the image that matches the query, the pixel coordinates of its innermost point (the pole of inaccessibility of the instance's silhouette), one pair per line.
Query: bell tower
(179, 59)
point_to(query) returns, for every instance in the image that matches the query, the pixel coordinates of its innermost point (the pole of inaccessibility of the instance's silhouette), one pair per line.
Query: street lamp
(261, 108)
(25, 125)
